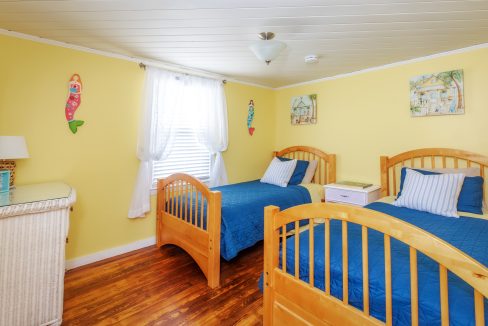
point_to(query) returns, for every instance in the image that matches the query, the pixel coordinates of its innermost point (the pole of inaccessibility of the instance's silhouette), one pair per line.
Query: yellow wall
(248, 156)
(359, 118)
(100, 161)
(364, 116)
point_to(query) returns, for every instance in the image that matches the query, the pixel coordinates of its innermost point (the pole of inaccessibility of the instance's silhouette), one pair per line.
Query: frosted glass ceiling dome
(267, 49)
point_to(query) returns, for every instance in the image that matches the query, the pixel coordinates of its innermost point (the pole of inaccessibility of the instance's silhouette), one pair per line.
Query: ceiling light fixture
(267, 49)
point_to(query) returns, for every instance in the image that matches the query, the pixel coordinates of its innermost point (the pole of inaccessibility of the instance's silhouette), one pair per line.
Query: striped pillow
(279, 173)
(436, 194)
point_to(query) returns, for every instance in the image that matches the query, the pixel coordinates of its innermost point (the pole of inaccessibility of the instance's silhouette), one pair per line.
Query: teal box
(4, 181)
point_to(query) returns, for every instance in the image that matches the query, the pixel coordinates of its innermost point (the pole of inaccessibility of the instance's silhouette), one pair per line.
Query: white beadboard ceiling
(214, 35)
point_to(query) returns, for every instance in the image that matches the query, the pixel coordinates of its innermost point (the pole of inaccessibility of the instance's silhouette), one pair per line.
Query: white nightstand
(351, 195)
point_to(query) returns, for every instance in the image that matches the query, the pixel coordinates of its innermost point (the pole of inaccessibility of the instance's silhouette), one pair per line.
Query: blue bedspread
(467, 234)
(243, 212)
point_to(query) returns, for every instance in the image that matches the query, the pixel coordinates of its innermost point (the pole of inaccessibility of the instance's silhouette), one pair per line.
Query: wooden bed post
(213, 224)
(384, 176)
(271, 244)
(159, 212)
(331, 169)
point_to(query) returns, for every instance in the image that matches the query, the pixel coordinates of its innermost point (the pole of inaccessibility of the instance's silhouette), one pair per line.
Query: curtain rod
(142, 65)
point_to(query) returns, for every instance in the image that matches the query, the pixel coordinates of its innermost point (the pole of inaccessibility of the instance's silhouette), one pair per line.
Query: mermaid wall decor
(73, 102)
(250, 117)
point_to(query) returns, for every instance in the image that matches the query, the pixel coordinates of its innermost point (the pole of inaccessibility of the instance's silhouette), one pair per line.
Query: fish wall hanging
(73, 102)
(250, 117)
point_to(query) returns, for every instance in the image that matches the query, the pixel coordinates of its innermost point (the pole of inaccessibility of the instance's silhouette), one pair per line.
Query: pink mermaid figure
(73, 102)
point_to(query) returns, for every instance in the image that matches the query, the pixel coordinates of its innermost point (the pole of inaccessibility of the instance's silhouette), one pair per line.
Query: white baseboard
(104, 254)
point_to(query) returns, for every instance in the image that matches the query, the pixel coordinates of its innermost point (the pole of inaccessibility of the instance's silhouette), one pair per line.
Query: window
(187, 156)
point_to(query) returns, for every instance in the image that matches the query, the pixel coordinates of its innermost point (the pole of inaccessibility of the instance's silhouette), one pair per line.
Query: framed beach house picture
(437, 94)
(304, 109)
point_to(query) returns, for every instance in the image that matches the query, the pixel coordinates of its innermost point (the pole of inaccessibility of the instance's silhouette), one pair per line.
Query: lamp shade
(13, 147)
(267, 50)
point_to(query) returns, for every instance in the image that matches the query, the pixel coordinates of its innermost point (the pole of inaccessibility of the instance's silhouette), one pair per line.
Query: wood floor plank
(164, 286)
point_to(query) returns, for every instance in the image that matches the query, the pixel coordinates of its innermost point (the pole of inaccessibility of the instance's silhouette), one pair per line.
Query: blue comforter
(467, 234)
(243, 212)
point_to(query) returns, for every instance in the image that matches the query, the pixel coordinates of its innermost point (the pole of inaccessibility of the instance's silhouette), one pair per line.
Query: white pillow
(279, 172)
(312, 166)
(436, 194)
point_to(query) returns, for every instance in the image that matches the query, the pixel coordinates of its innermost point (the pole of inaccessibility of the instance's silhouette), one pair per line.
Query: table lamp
(12, 148)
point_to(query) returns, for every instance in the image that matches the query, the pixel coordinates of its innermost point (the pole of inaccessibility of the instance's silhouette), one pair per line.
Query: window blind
(187, 156)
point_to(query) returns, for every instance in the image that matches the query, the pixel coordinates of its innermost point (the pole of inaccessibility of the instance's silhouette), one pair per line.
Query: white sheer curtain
(210, 110)
(169, 99)
(161, 96)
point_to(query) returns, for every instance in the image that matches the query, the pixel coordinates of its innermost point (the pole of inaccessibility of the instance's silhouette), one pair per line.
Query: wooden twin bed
(189, 213)
(290, 299)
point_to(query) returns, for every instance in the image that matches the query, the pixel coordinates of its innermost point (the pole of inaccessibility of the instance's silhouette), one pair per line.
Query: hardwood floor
(163, 287)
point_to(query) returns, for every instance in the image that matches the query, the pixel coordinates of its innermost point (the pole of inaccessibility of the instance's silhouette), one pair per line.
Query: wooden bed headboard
(429, 158)
(326, 166)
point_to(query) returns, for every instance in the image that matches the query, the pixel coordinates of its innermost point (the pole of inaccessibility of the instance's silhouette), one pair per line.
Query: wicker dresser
(34, 223)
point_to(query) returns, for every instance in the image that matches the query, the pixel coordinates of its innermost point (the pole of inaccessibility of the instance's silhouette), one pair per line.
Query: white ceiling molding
(191, 71)
(390, 65)
(147, 62)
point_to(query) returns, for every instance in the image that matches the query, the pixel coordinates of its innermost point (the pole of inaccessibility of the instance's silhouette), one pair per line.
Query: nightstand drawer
(346, 196)
(354, 196)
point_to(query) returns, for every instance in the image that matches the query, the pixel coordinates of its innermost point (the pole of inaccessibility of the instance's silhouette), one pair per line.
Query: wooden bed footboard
(182, 222)
(188, 215)
(290, 301)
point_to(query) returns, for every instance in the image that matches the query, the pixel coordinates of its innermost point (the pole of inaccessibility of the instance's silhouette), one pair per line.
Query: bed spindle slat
(388, 280)
(202, 203)
(176, 199)
(297, 248)
(173, 200)
(456, 163)
(185, 201)
(479, 308)
(422, 162)
(327, 255)
(444, 162)
(180, 201)
(482, 171)
(444, 295)
(412, 162)
(166, 198)
(311, 249)
(190, 208)
(197, 200)
(319, 165)
(283, 245)
(432, 161)
(345, 267)
(394, 179)
(414, 293)
(468, 163)
(365, 270)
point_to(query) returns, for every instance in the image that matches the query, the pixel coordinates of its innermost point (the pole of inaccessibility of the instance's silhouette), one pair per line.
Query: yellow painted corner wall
(248, 156)
(364, 116)
(100, 160)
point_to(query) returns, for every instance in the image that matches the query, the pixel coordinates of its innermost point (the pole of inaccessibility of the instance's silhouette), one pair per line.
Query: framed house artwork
(437, 94)
(304, 109)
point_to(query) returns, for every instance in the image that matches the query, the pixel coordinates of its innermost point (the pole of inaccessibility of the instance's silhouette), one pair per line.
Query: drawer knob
(345, 196)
